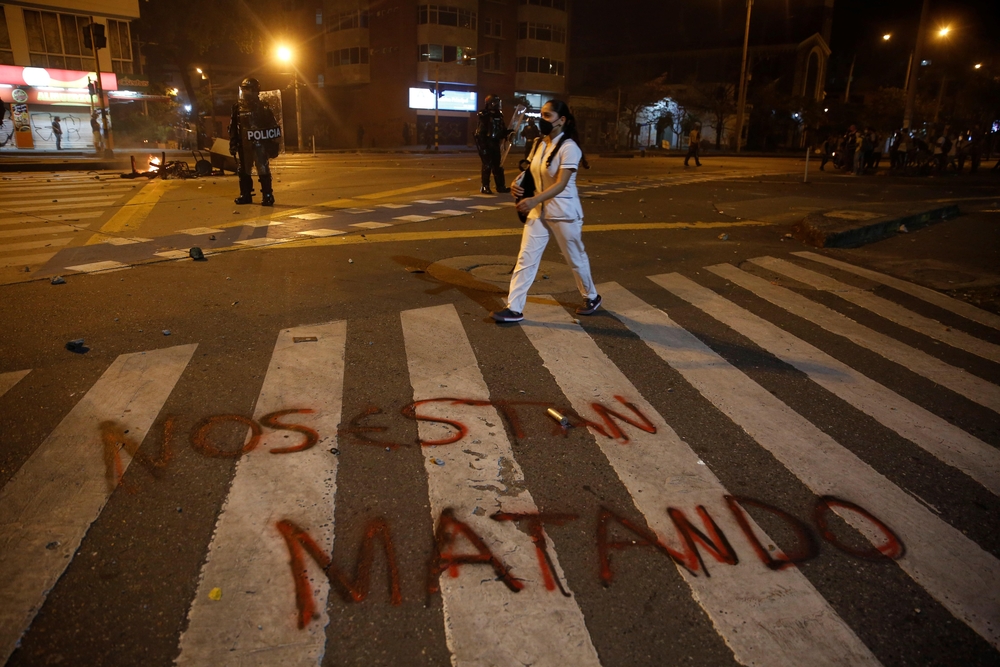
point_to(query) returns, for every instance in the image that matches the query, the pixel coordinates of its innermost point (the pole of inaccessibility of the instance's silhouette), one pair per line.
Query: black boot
(485, 190)
(266, 191)
(499, 178)
(246, 190)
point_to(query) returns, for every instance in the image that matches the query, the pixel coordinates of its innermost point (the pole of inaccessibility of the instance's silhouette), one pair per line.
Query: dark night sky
(601, 28)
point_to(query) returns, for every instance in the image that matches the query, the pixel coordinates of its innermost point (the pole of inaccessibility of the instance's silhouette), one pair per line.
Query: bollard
(805, 177)
(313, 138)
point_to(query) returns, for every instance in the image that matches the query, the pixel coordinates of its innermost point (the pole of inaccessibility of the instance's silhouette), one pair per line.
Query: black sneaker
(506, 315)
(589, 306)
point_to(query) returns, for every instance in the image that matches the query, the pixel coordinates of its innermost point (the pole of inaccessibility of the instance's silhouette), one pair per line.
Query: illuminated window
(541, 66)
(6, 53)
(120, 43)
(437, 53)
(493, 27)
(555, 4)
(356, 18)
(56, 40)
(357, 55)
(445, 15)
(544, 32)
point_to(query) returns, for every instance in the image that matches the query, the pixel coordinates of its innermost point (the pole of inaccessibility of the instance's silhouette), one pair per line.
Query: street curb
(824, 232)
(76, 165)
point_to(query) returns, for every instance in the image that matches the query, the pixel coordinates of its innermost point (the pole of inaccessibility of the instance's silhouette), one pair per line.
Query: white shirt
(566, 205)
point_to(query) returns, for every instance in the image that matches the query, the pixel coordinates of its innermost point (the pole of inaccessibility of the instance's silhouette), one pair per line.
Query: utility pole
(437, 96)
(911, 84)
(109, 143)
(741, 104)
(618, 118)
(850, 77)
(299, 135)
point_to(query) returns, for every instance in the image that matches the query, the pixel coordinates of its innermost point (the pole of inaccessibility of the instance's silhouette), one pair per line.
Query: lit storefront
(33, 96)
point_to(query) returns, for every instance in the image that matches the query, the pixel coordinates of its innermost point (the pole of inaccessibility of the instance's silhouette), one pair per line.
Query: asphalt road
(316, 447)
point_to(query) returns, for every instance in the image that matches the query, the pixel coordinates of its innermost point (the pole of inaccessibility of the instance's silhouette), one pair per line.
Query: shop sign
(44, 77)
(46, 96)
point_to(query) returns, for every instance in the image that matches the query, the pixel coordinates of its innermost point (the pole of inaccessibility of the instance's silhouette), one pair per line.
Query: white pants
(533, 242)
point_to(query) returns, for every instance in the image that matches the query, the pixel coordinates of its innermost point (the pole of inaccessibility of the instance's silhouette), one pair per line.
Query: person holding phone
(555, 209)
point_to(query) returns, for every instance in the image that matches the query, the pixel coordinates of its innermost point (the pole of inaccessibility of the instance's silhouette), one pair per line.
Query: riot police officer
(490, 134)
(253, 140)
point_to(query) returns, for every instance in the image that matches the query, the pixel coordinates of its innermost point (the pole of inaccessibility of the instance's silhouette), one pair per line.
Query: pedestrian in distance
(829, 149)
(694, 145)
(491, 132)
(95, 127)
(529, 134)
(57, 132)
(555, 209)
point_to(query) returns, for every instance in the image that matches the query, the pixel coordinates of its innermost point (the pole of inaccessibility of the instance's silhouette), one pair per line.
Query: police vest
(263, 134)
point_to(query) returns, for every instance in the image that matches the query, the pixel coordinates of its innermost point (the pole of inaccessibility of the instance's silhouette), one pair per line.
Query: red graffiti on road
(457, 544)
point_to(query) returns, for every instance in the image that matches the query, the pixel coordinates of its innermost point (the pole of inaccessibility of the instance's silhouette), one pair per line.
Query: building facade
(45, 67)
(385, 62)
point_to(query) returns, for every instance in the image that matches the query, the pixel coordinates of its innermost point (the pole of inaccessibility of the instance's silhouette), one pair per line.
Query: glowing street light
(886, 37)
(285, 55)
(943, 32)
(978, 66)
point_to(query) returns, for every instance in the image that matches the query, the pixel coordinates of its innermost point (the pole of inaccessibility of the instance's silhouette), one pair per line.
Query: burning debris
(159, 167)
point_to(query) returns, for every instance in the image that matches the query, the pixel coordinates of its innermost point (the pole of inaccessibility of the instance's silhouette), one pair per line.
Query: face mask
(545, 126)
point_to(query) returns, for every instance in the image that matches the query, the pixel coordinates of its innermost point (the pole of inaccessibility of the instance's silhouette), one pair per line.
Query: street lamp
(944, 30)
(285, 55)
(211, 95)
(977, 66)
(886, 37)
(742, 102)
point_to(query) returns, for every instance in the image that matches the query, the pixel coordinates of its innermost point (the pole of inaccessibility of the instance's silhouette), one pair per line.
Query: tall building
(45, 67)
(383, 64)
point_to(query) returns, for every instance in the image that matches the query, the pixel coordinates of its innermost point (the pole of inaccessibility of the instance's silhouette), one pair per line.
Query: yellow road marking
(394, 237)
(346, 203)
(135, 211)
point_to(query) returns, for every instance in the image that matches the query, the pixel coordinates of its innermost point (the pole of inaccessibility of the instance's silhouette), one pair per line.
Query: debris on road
(196, 254)
(58, 280)
(77, 346)
(723, 237)
(559, 417)
(215, 594)
(903, 229)
(166, 332)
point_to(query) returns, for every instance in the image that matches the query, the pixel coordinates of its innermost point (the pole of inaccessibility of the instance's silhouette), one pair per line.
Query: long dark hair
(568, 132)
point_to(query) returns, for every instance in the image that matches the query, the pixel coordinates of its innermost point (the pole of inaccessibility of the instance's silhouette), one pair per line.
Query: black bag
(525, 180)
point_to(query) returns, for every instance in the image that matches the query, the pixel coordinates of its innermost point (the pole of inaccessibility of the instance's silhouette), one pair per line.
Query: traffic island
(855, 228)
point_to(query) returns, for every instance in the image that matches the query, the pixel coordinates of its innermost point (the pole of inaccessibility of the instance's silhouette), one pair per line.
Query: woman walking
(556, 209)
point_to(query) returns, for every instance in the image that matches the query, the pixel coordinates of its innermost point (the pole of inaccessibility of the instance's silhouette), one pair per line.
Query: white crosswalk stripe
(254, 622)
(883, 307)
(47, 507)
(264, 587)
(8, 380)
(828, 469)
(942, 439)
(962, 308)
(956, 379)
(763, 619)
(486, 621)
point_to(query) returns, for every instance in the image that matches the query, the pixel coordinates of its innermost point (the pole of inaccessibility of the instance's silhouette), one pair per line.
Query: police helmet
(492, 103)
(249, 87)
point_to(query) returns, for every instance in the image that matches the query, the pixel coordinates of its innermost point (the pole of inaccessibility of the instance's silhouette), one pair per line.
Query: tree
(182, 32)
(636, 99)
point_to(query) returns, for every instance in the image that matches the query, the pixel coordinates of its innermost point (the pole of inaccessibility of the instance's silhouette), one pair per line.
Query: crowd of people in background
(930, 152)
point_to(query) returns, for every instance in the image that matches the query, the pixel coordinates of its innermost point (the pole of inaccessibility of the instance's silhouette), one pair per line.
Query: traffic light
(91, 88)
(99, 36)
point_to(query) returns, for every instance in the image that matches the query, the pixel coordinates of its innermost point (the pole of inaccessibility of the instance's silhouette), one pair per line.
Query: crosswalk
(40, 213)
(284, 226)
(507, 595)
